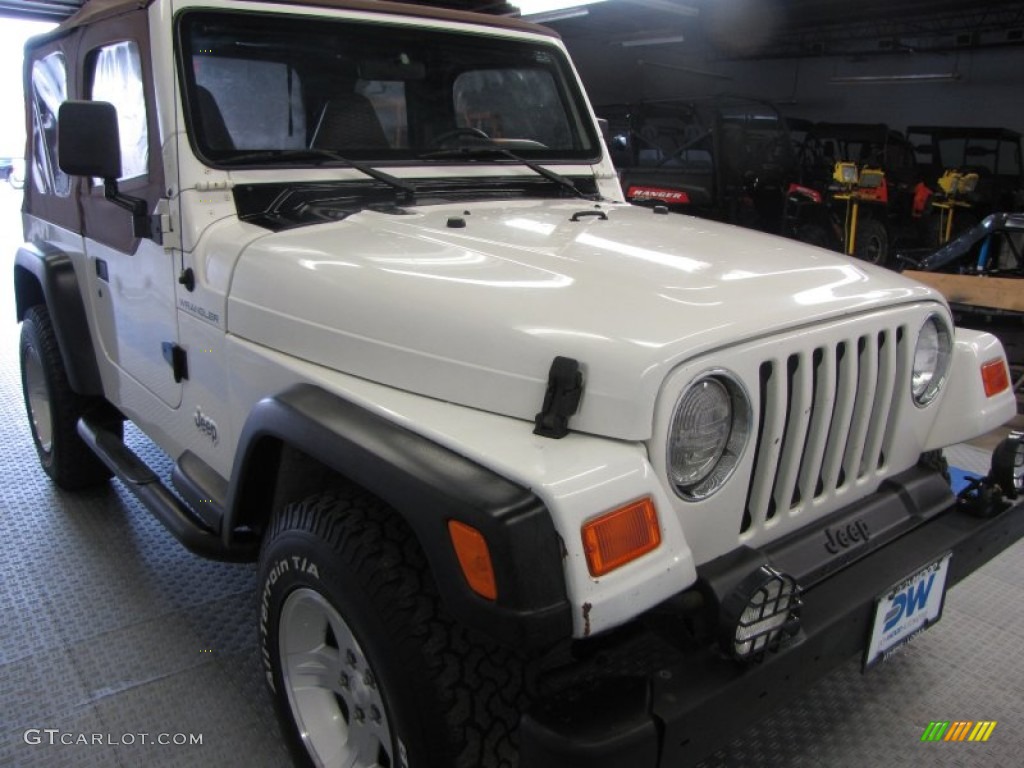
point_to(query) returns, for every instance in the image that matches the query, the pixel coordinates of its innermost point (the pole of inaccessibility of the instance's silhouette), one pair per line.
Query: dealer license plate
(907, 609)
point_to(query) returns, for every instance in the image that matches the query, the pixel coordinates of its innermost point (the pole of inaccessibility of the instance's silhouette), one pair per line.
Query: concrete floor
(109, 627)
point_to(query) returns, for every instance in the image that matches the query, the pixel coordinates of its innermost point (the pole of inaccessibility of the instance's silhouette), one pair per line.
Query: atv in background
(820, 207)
(725, 158)
(972, 171)
(994, 154)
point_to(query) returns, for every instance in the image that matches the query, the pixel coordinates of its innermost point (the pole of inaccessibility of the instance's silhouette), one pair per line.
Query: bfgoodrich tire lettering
(346, 591)
(54, 408)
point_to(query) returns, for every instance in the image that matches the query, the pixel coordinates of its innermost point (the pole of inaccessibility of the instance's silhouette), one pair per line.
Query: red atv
(858, 191)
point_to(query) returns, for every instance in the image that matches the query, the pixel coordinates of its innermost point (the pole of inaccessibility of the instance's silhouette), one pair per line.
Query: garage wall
(990, 91)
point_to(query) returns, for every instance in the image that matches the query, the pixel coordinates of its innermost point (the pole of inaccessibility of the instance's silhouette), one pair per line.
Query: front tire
(365, 668)
(872, 242)
(54, 408)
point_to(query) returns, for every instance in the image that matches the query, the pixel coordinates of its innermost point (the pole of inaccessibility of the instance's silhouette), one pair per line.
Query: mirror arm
(142, 223)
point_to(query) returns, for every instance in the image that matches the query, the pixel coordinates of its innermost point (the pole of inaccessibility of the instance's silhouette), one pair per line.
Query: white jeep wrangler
(533, 476)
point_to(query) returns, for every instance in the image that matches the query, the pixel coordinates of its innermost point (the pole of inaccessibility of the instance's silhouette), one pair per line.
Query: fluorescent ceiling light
(551, 16)
(667, 6)
(639, 42)
(533, 7)
(934, 77)
(679, 68)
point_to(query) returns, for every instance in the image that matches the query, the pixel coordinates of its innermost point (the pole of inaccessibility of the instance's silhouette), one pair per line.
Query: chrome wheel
(332, 689)
(38, 399)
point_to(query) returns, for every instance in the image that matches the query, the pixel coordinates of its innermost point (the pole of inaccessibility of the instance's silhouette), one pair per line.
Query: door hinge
(177, 358)
(162, 226)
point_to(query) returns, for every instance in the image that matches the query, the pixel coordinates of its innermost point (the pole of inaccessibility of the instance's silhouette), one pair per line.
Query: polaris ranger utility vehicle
(726, 158)
(817, 208)
(533, 476)
(994, 154)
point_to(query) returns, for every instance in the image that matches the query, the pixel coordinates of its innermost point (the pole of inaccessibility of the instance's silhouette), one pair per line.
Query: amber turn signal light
(474, 558)
(621, 536)
(995, 376)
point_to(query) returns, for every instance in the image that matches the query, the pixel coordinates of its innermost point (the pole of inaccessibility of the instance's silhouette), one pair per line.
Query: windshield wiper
(476, 153)
(316, 153)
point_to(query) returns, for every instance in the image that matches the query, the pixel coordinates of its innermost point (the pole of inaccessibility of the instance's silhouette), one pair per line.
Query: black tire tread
(872, 228)
(478, 685)
(70, 462)
(937, 462)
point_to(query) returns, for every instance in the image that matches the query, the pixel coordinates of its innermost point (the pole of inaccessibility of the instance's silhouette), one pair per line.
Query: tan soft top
(97, 10)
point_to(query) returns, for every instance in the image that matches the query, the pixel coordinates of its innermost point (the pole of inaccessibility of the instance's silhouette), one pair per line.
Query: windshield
(258, 87)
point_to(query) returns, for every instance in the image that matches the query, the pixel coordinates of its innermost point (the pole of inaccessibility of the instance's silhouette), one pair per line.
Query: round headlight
(708, 431)
(931, 360)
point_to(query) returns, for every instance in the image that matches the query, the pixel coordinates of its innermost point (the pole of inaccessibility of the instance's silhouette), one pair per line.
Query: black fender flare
(428, 485)
(44, 274)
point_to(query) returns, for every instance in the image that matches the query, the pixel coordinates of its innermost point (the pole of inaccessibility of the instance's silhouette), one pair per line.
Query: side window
(49, 90)
(249, 104)
(117, 78)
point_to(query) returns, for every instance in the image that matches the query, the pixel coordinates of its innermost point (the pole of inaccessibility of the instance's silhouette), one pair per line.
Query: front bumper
(689, 701)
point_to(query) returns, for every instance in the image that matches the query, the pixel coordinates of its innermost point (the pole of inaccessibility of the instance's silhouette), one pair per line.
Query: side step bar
(177, 518)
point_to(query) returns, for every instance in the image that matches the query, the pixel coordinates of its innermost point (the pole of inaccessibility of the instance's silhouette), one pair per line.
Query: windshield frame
(551, 58)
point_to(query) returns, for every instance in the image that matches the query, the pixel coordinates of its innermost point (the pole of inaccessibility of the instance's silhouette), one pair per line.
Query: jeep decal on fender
(206, 425)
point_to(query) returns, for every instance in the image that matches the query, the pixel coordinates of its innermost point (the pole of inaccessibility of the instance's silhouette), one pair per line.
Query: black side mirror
(88, 143)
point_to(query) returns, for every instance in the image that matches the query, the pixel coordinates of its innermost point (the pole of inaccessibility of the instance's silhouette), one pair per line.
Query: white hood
(475, 314)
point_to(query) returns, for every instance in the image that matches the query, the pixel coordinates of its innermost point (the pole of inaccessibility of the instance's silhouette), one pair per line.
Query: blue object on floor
(960, 477)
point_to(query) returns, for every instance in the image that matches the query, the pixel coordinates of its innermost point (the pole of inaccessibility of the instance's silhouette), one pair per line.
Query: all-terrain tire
(54, 408)
(937, 462)
(342, 574)
(872, 243)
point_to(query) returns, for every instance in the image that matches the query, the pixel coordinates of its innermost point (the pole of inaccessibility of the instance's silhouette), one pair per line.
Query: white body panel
(578, 478)
(476, 314)
(969, 411)
(136, 313)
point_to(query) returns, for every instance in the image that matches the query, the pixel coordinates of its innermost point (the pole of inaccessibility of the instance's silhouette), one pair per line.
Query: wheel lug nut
(375, 714)
(350, 657)
(359, 715)
(343, 681)
(369, 679)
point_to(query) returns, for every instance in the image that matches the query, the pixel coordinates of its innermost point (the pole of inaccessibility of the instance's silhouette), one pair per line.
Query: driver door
(132, 279)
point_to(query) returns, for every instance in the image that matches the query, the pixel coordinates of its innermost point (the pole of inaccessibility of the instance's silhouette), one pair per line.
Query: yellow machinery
(955, 186)
(858, 185)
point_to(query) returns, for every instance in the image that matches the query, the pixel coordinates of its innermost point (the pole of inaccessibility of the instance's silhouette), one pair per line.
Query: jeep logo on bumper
(843, 536)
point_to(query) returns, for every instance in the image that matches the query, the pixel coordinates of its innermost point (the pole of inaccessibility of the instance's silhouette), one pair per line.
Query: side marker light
(621, 536)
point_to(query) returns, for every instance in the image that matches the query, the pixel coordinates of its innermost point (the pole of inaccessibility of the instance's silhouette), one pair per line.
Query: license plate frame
(923, 592)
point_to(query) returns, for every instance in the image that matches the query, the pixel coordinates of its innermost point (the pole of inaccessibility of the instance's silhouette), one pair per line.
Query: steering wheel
(447, 136)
